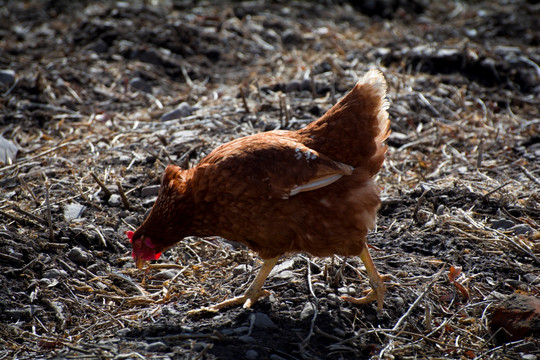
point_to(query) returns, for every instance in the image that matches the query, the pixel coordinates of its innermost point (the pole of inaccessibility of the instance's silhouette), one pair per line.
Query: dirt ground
(118, 90)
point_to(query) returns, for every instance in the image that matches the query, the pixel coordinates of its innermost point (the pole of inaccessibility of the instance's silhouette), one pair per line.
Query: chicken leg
(252, 294)
(377, 283)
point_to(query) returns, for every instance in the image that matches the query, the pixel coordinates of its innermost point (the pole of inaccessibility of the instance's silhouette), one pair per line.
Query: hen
(278, 192)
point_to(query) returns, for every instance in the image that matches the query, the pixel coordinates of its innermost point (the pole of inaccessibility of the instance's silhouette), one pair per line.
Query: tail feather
(354, 130)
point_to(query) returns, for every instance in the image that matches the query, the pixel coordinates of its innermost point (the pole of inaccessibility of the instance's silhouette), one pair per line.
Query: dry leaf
(462, 289)
(454, 273)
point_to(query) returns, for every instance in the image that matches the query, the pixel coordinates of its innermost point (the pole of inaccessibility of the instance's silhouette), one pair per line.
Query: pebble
(149, 202)
(151, 190)
(139, 84)
(399, 302)
(114, 200)
(123, 332)
(347, 290)
(252, 355)
(502, 224)
(7, 77)
(247, 339)
(293, 86)
(262, 321)
(522, 229)
(166, 274)
(241, 269)
(290, 36)
(157, 346)
(132, 220)
(286, 275)
(78, 255)
(332, 298)
(339, 332)
(73, 211)
(276, 357)
(54, 273)
(240, 330)
(307, 311)
(182, 110)
(285, 265)
(440, 210)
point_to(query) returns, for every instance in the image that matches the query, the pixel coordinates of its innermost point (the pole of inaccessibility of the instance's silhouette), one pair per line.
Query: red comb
(130, 235)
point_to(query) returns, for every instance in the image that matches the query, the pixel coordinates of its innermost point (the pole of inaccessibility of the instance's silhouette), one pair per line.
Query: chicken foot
(250, 297)
(377, 283)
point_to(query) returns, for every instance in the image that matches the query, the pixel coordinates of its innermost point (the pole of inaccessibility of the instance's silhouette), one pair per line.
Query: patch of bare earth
(117, 90)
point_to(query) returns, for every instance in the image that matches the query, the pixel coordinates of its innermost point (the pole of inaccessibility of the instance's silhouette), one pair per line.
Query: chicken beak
(139, 262)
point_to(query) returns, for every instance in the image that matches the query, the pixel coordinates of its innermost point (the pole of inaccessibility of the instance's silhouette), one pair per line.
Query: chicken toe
(254, 293)
(377, 283)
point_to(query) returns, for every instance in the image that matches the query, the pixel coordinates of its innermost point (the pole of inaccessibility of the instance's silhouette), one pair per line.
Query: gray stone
(241, 329)
(262, 321)
(522, 229)
(114, 200)
(307, 311)
(140, 84)
(157, 346)
(347, 290)
(73, 211)
(54, 274)
(247, 339)
(241, 269)
(285, 265)
(182, 110)
(252, 355)
(502, 224)
(7, 77)
(151, 190)
(78, 255)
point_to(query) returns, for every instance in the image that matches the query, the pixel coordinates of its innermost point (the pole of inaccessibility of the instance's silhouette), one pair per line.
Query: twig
(18, 219)
(31, 216)
(305, 342)
(123, 196)
(103, 187)
(283, 111)
(243, 95)
(25, 160)
(516, 245)
(485, 196)
(186, 75)
(25, 185)
(480, 156)
(530, 175)
(49, 216)
(402, 319)
(417, 207)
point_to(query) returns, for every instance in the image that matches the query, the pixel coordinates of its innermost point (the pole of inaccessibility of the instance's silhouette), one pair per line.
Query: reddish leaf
(462, 289)
(454, 273)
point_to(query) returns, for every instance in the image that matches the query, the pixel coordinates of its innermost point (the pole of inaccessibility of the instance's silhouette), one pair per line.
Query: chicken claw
(254, 293)
(377, 283)
(375, 293)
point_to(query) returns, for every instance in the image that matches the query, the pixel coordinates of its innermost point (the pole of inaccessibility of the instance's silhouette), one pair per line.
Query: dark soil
(121, 89)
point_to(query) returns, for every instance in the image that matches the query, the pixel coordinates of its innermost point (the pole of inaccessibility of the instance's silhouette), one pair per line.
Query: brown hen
(279, 192)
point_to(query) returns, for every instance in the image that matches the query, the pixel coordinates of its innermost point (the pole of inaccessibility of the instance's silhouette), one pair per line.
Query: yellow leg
(252, 294)
(376, 281)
